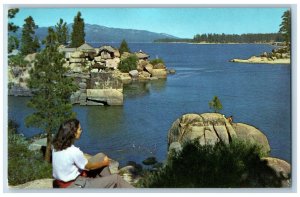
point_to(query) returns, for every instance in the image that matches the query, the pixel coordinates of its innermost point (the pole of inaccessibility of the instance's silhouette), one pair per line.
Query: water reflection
(104, 120)
(138, 89)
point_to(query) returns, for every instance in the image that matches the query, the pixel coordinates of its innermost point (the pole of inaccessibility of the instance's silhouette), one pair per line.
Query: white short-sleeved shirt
(68, 163)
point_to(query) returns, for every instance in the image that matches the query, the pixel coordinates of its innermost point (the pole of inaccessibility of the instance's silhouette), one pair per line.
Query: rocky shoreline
(262, 60)
(277, 56)
(96, 73)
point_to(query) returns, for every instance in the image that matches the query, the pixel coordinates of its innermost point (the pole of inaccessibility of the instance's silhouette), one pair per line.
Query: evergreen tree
(285, 26)
(124, 47)
(13, 42)
(62, 32)
(29, 43)
(77, 36)
(215, 104)
(11, 14)
(51, 90)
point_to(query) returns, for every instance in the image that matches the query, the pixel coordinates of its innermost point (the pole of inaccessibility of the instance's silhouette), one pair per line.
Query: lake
(255, 94)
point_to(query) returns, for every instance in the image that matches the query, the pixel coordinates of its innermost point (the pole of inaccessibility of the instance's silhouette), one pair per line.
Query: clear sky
(180, 22)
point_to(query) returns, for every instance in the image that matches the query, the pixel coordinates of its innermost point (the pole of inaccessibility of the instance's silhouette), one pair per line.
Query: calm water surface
(256, 94)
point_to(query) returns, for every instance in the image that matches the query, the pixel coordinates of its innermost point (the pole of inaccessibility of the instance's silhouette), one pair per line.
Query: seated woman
(70, 167)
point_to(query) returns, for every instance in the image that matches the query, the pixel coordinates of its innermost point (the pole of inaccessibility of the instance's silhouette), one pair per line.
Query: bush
(221, 166)
(124, 47)
(24, 165)
(17, 60)
(156, 61)
(215, 104)
(128, 64)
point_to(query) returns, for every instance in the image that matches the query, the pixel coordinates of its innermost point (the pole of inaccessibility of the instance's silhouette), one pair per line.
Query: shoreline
(208, 43)
(261, 60)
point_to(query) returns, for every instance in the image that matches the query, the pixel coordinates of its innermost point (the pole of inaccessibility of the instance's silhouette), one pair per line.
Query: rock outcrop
(95, 71)
(210, 128)
(277, 56)
(281, 168)
(253, 135)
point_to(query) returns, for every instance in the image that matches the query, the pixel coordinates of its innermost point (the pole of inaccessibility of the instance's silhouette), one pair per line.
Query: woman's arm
(96, 165)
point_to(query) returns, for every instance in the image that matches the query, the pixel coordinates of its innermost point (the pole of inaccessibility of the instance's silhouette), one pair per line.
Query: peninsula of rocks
(95, 71)
(277, 56)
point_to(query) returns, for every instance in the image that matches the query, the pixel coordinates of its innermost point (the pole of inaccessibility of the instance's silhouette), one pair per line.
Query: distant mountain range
(98, 33)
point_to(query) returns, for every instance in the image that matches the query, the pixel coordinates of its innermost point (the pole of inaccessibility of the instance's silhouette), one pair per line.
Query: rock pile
(277, 56)
(96, 73)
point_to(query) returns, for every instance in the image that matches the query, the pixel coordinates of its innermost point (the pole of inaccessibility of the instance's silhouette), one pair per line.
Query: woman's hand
(99, 164)
(106, 161)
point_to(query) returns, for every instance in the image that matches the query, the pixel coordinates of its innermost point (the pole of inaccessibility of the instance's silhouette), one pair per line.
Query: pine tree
(62, 32)
(11, 14)
(215, 104)
(124, 47)
(29, 43)
(285, 27)
(13, 42)
(51, 90)
(77, 36)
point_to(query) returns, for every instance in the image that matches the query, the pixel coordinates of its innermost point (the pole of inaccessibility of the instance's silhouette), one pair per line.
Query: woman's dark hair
(65, 136)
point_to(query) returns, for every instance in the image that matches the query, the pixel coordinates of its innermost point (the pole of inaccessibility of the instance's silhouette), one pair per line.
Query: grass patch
(24, 165)
(156, 61)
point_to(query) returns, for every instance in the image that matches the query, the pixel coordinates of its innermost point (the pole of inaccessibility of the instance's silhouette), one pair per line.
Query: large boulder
(112, 63)
(208, 128)
(144, 75)
(134, 73)
(141, 64)
(149, 68)
(105, 55)
(77, 54)
(117, 53)
(98, 58)
(159, 73)
(105, 96)
(281, 168)
(251, 134)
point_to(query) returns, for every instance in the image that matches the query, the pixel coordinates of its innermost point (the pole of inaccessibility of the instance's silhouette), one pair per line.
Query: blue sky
(180, 22)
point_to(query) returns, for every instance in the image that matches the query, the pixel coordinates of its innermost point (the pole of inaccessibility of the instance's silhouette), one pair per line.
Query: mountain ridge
(99, 33)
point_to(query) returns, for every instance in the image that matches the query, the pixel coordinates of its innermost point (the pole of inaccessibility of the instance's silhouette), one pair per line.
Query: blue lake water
(256, 94)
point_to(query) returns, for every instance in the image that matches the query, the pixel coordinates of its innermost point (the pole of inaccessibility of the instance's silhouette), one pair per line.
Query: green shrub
(215, 104)
(221, 166)
(24, 165)
(17, 60)
(128, 64)
(156, 61)
(124, 47)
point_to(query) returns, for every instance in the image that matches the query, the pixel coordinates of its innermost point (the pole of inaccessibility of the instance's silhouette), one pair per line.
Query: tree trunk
(48, 148)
